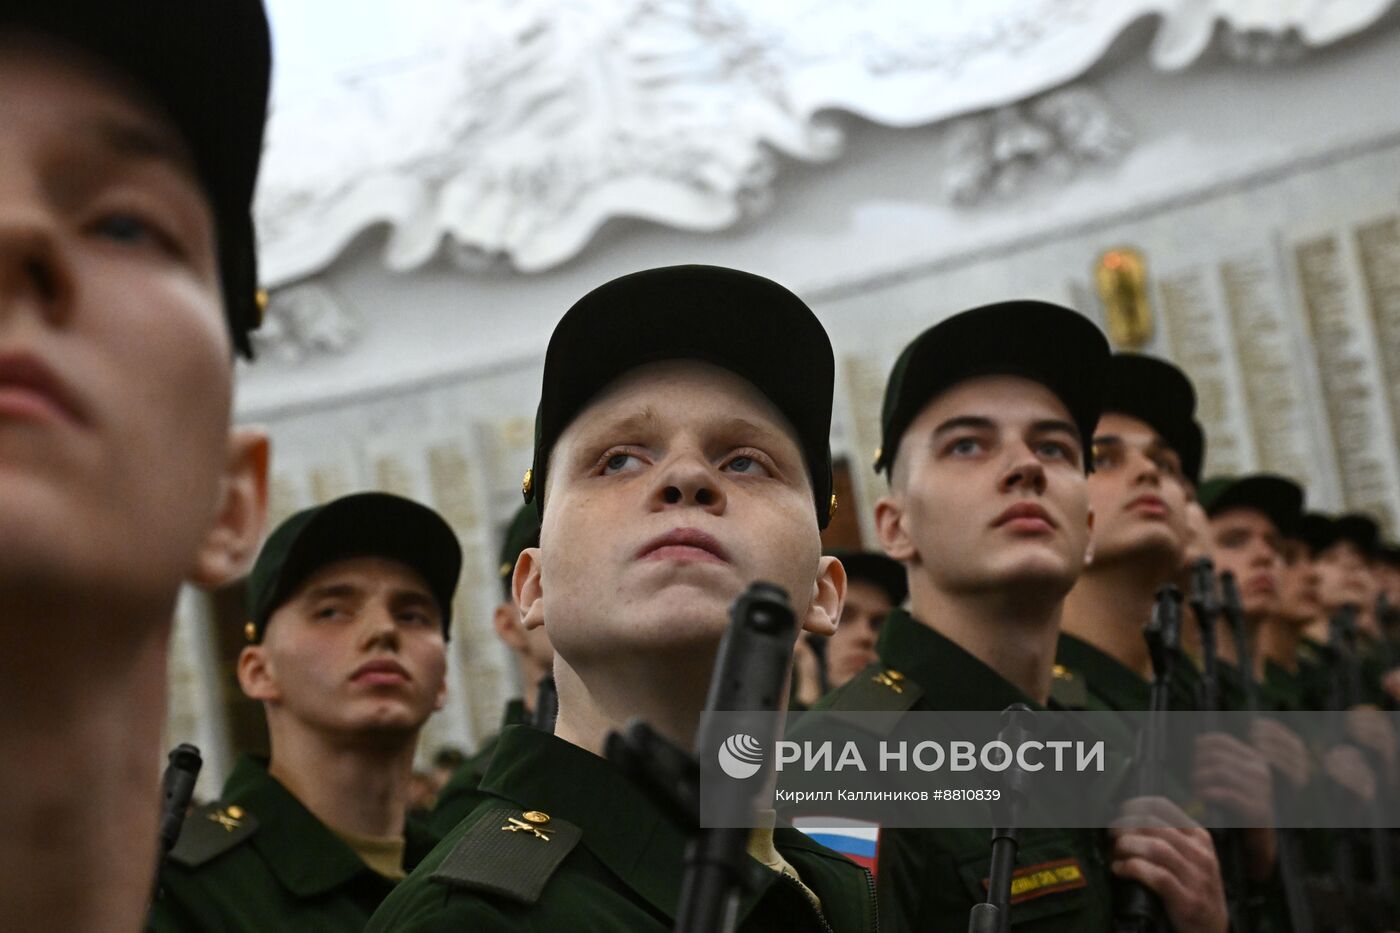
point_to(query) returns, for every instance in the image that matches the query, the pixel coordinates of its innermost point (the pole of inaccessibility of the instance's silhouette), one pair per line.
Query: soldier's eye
(619, 462)
(965, 446)
(749, 466)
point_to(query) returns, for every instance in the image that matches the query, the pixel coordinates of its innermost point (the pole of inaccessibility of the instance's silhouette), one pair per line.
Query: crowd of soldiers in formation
(1045, 503)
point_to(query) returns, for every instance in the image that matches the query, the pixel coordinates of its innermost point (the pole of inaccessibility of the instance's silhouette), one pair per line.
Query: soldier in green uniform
(874, 585)
(129, 143)
(984, 422)
(681, 454)
(1147, 450)
(350, 609)
(534, 659)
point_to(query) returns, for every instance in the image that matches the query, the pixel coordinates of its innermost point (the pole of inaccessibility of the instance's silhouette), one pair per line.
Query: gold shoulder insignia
(503, 853)
(210, 831)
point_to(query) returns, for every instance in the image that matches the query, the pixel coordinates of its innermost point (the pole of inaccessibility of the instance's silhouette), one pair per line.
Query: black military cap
(1279, 499)
(207, 64)
(876, 569)
(367, 524)
(1159, 394)
(1047, 343)
(1360, 530)
(1317, 531)
(524, 531)
(741, 322)
(1389, 554)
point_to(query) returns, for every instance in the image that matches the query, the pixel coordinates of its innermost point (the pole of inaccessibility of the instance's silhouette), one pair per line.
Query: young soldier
(984, 422)
(350, 607)
(681, 454)
(874, 585)
(129, 143)
(1147, 451)
(534, 661)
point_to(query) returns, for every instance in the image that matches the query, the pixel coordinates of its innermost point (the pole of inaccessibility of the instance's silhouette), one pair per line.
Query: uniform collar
(1119, 686)
(927, 657)
(302, 853)
(621, 825)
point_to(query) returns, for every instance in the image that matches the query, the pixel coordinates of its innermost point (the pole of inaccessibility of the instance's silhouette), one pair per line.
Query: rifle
(546, 705)
(1142, 911)
(750, 676)
(1290, 862)
(994, 916)
(1206, 604)
(1347, 692)
(177, 785)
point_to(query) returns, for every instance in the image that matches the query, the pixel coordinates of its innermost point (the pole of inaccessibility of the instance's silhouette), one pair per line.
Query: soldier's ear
(232, 542)
(506, 621)
(255, 676)
(528, 586)
(829, 595)
(889, 527)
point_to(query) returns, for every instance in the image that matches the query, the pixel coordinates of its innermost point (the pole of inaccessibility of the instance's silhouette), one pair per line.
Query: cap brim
(374, 525)
(1046, 343)
(1157, 393)
(884, 572)
(1280, 499)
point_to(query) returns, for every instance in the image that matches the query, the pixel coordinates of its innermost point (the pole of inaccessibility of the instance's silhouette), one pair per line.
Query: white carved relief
(510, 130)
(999, 153)
(305, 321)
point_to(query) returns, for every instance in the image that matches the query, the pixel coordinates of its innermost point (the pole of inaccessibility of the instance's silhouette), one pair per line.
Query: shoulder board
(509, 853)
(210, 831)
(877, 689)
(1068, 689)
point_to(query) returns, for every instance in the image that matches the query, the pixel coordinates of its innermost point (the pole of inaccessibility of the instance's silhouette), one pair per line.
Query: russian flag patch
(858, 840)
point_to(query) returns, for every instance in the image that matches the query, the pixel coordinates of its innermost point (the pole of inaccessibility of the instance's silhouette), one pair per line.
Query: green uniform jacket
(258, 861)
(459, 796)
(929, 879)
(612, 862)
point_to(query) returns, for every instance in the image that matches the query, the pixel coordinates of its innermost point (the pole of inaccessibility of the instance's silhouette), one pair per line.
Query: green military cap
(1360, 530)
(1159, 394)
(1278, 498)
(883, 572)
(741, 322)
(524, 531)
(207, 65)
(1043, 342)
(367, 524)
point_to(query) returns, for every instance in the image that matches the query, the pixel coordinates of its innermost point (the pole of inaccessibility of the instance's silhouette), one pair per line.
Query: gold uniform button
(236, 812)
(536, 817)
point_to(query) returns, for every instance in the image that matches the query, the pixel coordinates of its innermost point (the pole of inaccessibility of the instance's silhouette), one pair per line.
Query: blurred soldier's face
(989, 491)
(1342, 579)
(115, 361)
(677, 487)
(1138, 495)
(357, 650)
(853, 646)
(1298, 600)
(1246, 543)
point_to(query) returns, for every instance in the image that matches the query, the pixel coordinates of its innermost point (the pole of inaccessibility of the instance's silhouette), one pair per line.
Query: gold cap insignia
(230, 818)
(879, 452)
(506, 568)
(250, 631)
(831, 508)
(260, 299)
(527, 484)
